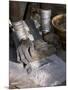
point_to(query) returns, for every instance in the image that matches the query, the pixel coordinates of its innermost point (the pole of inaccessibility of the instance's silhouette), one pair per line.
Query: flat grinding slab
(49, 72)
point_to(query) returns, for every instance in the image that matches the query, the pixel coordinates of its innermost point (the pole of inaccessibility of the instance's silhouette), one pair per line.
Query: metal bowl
(59, 24)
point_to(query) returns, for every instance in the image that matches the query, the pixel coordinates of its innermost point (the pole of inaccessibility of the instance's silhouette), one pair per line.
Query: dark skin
(23, 52)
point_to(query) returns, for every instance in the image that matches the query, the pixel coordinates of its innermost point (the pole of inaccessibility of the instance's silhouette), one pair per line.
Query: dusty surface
(19, 78)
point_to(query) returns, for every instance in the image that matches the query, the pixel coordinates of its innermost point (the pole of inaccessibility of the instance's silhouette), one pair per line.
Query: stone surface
(52, 72)
(18, 77)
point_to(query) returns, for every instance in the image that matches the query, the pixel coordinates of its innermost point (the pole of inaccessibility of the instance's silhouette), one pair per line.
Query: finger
(22, 56)
(18, 56)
